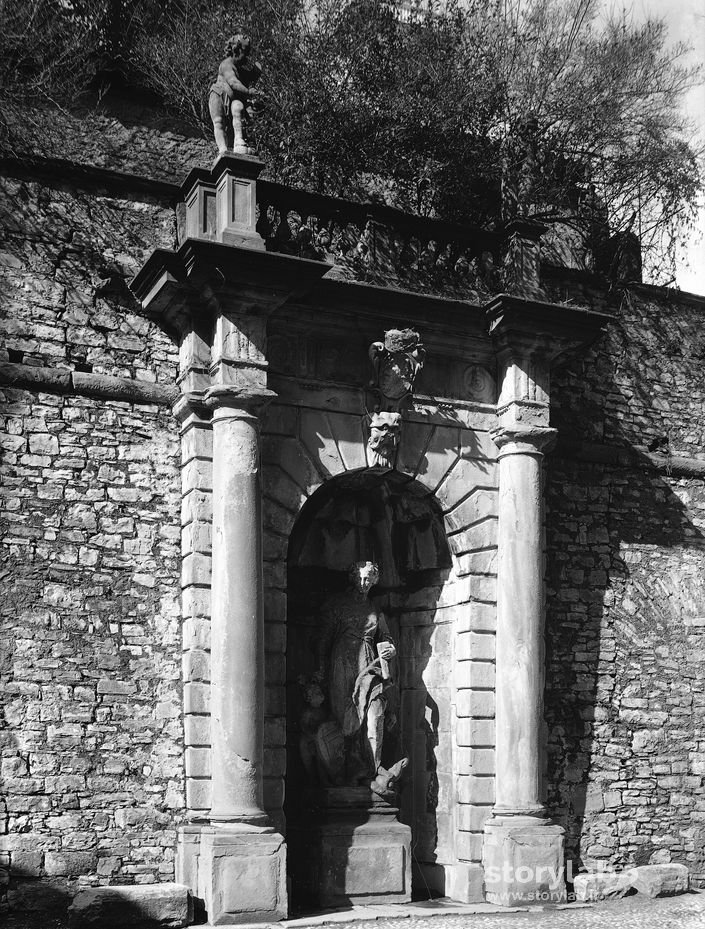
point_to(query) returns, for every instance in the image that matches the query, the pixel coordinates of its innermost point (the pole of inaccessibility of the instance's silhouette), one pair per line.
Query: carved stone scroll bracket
(397, 362)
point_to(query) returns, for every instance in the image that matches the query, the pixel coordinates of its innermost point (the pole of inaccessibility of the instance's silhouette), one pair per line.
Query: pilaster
(216, 292)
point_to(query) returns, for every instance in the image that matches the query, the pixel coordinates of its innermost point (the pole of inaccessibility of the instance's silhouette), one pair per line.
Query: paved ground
(634, 912)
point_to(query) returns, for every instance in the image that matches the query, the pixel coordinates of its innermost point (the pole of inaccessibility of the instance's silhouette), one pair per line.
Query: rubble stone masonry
(625, 700)
(91, 737)
(91, 734)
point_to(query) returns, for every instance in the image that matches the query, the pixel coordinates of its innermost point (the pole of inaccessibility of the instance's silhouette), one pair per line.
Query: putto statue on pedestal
(232, 95)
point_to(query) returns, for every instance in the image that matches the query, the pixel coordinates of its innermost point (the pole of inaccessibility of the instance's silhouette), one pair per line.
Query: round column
(520, 622)
(237, 622)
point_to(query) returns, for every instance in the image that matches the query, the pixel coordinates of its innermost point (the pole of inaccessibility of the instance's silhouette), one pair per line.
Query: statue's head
(363, 575)
(238, 46)
(312, 689)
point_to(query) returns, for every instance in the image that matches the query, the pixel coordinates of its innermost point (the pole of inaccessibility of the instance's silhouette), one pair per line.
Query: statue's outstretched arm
(229, 75)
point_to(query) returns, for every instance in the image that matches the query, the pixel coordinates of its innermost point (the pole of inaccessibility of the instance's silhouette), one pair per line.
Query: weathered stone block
(465, 883)
(26, 864)
(660, 880)
(122, 688)
(472, 818)
(482, 761)
(601, 885)
(144, 905)
(69, 864)
(368, 863)
(474, 789)
(197, 730)
(475, 732)
(461, 480)
(319, 442)
(475, 703)
(242, 876)
(198, 762)
(198, 793)
(524, 863)
(197, 698)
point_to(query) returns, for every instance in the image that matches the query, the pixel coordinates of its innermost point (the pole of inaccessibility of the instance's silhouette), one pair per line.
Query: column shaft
(520, 623)
(237, 631)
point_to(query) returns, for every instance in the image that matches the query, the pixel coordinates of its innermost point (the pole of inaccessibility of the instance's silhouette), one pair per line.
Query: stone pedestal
(242, 874)
(523, 858)
(221, 204)
(355, 851)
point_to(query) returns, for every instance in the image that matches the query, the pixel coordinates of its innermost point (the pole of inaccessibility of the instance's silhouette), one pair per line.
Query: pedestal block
(524, 862)
(354, 850)
(221, 203)
(242, 875)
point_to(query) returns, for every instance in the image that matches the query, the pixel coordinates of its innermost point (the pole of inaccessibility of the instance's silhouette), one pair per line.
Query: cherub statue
(321, 741)
(231, 96)
(354, 655)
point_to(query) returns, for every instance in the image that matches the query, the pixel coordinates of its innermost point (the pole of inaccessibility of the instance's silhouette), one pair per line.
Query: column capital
(190, 404)
(523, 439)
(237, 400)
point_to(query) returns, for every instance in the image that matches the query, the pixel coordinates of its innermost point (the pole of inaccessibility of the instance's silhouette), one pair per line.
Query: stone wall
(91, 675)
(626, 595)
(90, 666)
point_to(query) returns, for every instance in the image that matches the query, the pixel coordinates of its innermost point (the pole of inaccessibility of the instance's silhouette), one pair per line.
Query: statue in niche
(354, 652)
(231, 97)
(397, 362)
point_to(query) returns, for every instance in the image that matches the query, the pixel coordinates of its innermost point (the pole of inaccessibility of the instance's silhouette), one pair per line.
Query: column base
(524, 861)
(237, 872)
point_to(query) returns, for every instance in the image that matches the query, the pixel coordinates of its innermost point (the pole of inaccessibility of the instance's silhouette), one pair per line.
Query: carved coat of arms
(396, 362)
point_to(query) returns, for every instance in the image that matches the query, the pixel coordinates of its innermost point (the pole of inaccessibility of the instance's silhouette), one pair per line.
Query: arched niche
(394, 521)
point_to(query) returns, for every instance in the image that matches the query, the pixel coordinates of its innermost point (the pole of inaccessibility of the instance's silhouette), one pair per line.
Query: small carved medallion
(478, 385)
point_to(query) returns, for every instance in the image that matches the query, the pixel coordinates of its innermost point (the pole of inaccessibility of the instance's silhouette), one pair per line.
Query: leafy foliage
(474, 110)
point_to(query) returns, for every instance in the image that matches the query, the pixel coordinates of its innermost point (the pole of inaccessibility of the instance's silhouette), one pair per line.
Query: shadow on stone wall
(625, 566)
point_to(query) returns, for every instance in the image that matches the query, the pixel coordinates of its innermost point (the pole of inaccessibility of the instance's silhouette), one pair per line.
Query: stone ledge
(59, 381)
(628, 457)
(144, 905)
